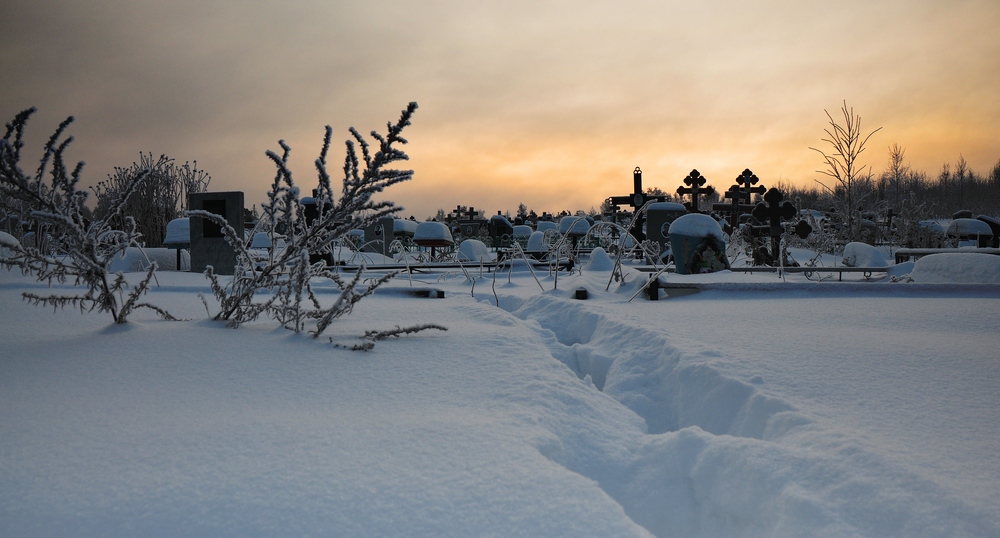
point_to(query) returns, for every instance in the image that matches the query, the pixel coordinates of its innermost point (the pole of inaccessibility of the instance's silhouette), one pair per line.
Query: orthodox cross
(637, 199)
(740, 195)
(772, 211)
(695, 187)
(744, 188)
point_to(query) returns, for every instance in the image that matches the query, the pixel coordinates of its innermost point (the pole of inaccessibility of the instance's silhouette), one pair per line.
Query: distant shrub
(161, 197)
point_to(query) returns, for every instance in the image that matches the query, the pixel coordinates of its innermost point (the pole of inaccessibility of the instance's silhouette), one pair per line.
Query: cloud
(549, 103)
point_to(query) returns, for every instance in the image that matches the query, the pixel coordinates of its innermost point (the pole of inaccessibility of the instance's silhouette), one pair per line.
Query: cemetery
(756, 231)
(669, 366)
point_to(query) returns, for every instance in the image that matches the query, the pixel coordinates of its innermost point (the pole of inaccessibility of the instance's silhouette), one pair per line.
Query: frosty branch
(64, 245)
(286, 273)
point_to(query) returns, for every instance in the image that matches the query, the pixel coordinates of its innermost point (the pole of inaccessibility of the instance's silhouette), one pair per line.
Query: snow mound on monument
(136, 260)
(857, 254)
(696, 225)
(473, 250)
(957, 268)
(600, 261)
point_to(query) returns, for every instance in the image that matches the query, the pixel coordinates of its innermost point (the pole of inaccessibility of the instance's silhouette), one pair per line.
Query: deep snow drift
(761, 406)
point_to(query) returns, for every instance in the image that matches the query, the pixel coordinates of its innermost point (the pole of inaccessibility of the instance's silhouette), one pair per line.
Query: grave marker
(740, 196)
(636, 200)
(695, 183)
(773, 210)
(208, 242)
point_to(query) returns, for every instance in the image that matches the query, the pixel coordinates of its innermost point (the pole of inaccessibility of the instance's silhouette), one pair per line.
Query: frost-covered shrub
(66, 245)
(286, 273)
(161, 197)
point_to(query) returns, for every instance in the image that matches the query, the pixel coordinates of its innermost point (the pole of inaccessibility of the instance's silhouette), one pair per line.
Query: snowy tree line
(951, 190)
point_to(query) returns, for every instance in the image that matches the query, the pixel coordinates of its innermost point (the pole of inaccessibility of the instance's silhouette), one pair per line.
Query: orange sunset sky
(547, 103)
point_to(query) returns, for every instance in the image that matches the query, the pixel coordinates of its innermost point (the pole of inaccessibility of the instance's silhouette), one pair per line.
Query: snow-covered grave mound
(957, 268)
(857, 254)
(7, 242)
(474, 250)
(599, 261)
(136, 259)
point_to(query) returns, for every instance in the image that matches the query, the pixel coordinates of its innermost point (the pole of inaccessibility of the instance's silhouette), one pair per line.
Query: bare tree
(847, 142)
(893, 180)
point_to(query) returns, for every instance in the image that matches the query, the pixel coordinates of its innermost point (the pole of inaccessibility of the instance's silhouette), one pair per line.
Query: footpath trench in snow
(720, 457)
(643, 371)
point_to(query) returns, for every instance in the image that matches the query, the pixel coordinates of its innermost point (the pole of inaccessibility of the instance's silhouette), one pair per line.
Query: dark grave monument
(208, 240)
(659, 216)
(636, 200)
(501, 230)
(311, 210)
(774, 210)
(466, 223)
(695, 187)
(740, 196)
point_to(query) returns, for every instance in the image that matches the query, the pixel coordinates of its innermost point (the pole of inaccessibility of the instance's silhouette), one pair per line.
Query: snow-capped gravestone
(574, 228)
(434, 235)
(501, 230)
(970, 233)
(178, 237)
(697, 244)
(474, 250)
(208, 241)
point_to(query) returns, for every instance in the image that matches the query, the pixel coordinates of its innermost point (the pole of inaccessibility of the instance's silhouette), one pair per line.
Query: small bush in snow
(285, 275)
(67, 245)
(161, 197)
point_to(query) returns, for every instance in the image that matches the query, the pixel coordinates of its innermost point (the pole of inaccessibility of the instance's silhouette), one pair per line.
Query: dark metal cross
(744, 188)
(739, 196)
(772, 211)
(637, 199)
(695, 183)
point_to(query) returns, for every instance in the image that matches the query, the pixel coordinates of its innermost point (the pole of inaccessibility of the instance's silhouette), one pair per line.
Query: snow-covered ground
(759, 406)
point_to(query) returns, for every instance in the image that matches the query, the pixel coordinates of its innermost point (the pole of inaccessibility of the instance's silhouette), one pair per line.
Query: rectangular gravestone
(208, 242)
(379, 236)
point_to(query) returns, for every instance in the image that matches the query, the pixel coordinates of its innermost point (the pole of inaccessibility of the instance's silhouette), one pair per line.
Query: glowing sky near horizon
(547, 103)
